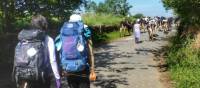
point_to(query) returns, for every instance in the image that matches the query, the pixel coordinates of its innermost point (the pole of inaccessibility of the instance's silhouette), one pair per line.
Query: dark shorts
(79, 79)
(38, 84)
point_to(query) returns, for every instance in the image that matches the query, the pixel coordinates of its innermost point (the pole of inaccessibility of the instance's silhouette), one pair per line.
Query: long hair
(39, 22)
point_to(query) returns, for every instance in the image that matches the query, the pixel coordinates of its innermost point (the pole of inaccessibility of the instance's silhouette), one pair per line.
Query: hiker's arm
(91, 55)
(52, 57)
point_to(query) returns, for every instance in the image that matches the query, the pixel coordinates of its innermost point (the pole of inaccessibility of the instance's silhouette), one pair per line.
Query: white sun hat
(75, 18)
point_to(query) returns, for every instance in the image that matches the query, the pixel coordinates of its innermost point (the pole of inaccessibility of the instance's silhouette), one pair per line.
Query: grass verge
(105, 37)
(101, 19)
(184, 63)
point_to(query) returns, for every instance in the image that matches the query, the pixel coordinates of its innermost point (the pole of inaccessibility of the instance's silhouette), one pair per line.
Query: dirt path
(123, 64)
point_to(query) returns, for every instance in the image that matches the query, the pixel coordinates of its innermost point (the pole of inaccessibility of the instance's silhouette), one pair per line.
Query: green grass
(184, 63)
(105, 37)
(101, 19)
(186, 77)
(112, 35)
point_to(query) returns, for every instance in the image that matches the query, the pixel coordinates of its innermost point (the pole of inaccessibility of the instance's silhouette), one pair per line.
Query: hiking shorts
(79, 79)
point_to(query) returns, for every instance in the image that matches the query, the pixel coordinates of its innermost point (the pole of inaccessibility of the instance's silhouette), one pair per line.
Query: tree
(189, 13)
(49, 8)
(117, 7)
(188, 10)
(12, 9)
(139, 15)
(91, 6)
(102, 8)
(122, 7)
(7, 9)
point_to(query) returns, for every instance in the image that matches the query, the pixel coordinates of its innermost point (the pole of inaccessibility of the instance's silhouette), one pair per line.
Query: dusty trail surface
(123, 64)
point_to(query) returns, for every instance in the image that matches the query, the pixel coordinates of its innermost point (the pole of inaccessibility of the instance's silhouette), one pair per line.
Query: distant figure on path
(137, 31)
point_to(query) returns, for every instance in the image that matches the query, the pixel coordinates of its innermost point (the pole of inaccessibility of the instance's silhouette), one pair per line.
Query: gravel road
(124, 64)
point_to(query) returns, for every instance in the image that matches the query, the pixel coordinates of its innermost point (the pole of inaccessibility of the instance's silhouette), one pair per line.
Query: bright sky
(147, 7)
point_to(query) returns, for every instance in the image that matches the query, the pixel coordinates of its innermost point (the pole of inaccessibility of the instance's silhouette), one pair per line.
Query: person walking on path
(35, 56)
(76, 54)
(137, 31)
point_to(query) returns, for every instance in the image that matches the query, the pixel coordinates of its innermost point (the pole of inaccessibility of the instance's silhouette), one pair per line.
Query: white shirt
(137, 30)
(52, 56)
(137, 27)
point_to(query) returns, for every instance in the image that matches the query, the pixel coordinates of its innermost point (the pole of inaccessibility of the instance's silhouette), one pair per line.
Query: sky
(147, 7)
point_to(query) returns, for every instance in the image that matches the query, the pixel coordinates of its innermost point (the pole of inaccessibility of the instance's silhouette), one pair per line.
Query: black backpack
(30, 60)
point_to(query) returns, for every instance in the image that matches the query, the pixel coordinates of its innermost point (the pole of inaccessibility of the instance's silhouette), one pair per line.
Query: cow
(125, 26)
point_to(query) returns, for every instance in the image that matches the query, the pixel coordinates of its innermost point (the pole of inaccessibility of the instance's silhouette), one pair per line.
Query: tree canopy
(138, 15)
(117, 7)
(188, 10)
(10, 10)
(55, 8)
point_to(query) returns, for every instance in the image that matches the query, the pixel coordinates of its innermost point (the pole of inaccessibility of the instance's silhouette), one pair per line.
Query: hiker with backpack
(76, 55)
(35, 57)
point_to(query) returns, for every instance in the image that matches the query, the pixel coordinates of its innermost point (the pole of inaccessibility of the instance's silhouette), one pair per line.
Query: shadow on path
(105, 60)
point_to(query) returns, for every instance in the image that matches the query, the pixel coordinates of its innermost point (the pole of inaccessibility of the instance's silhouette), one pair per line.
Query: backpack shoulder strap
(58, 42)
(87, 32)
(81, 27)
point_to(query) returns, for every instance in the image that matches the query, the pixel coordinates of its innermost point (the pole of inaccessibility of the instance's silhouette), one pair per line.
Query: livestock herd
(148, 24)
